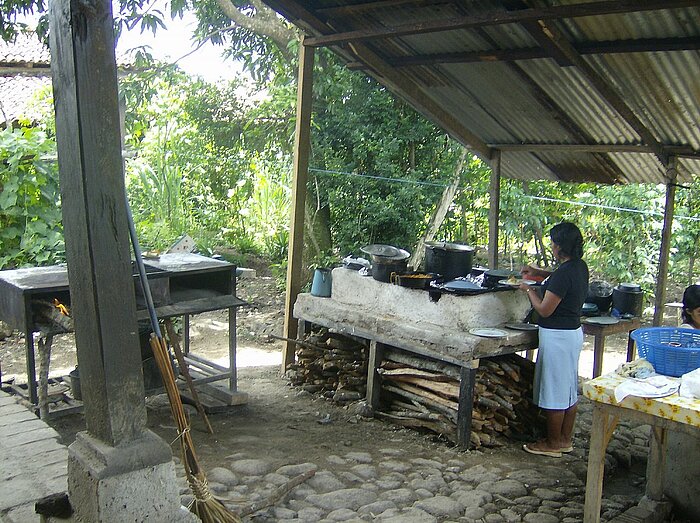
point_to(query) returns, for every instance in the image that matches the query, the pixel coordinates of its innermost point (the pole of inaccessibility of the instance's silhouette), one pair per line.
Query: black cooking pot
(382, 268)
(412, 280)
(452, 260)
(493, 276)
(628, 298)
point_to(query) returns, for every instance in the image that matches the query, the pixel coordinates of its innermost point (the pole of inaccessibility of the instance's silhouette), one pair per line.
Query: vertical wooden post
(662, 277)
(84, 75)
(302, 149)
(494, 209)
(465, 404)
(374, 384)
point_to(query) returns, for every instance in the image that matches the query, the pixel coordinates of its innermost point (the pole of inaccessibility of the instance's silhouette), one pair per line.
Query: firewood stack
(428, 397)
(331, 364)
(422, 393)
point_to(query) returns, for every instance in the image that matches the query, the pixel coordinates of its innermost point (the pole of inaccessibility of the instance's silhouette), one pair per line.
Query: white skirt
(556, 371)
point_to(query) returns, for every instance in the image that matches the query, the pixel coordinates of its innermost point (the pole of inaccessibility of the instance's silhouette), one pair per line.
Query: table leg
(31, 366)
(602, 427)
(598, 349)
(467, 378)
(630, 347)
(186, 333)
(233, 372)
(656, 464)
(376, 353)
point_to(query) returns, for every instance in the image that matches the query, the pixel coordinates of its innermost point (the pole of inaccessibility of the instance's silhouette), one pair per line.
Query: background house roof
(602, 91)
(24, 68)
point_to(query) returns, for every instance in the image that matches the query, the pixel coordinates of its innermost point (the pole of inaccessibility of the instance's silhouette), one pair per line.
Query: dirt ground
(279, 423)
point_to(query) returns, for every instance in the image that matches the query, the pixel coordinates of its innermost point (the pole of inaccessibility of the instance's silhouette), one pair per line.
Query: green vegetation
(215, 162)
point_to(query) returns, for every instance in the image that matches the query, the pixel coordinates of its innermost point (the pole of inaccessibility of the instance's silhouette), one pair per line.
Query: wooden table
(600, 332)
(388, 333)
(182, 284)
(671, 412)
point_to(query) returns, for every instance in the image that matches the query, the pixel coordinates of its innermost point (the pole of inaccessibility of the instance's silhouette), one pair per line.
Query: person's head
(568, 240)
(691, 306)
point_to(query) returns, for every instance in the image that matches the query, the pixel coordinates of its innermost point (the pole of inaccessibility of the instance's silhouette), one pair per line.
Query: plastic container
(321, 284)
(74, 380)
(672, 351)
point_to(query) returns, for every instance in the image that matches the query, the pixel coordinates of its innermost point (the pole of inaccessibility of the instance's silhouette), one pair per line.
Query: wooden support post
(662, 277)
(302, 149)
(656, 464)
(602, 428)
(494, 209)
(374, 384)
(91, 173)
(467, 378)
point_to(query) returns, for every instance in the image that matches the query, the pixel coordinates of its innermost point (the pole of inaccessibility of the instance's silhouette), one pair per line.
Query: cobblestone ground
(389, 484)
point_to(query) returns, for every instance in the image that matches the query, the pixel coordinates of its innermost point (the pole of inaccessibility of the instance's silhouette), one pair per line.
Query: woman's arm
(544, 306)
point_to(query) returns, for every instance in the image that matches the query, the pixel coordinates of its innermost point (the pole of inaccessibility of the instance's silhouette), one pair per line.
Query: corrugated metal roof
(574, 90)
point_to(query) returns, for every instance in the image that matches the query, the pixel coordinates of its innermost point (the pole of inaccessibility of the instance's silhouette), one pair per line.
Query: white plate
(517, 282)
(489, 333)
(602, 320)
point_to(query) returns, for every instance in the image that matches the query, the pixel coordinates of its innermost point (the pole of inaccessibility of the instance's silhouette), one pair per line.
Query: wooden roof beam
(680, 151)
(604, 89)
(498, 18)
(647, 45)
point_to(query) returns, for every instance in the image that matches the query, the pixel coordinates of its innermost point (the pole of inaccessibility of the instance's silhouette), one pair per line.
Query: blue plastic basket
(672, 351)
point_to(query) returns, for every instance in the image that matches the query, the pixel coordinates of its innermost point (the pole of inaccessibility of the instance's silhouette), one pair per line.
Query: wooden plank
(194, 307)
(447, 390)
(373, 380)
(302, 151)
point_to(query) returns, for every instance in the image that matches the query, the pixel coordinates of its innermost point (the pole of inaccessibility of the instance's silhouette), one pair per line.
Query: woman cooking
(560, 339)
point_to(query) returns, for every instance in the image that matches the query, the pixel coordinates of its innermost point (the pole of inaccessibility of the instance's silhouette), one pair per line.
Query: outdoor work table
(670, 412)
(600, 332)
(396, 318)
(181, 283)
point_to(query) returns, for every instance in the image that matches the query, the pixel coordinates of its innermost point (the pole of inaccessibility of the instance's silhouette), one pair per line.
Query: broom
(205, 505)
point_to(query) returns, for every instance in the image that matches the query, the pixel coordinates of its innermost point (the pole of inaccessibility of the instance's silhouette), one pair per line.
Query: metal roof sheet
(576, 90)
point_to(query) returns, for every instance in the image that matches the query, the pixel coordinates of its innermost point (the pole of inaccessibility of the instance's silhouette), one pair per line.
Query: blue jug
(321, 284)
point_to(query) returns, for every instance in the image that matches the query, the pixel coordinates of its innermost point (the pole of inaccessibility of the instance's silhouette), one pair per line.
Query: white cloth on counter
(690, 384)
(656, 386)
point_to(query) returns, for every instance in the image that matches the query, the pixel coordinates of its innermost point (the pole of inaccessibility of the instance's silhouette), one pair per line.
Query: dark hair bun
(569, 239)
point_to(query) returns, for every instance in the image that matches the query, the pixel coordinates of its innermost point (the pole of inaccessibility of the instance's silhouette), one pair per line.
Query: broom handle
(142, 271)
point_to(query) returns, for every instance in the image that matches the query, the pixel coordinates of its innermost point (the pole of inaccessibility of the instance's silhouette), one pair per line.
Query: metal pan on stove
(461, 285)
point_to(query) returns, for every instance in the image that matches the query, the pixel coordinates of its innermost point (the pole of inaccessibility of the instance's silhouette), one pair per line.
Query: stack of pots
(451, 260)
(600, 293)
(628, 298)
(386, 260)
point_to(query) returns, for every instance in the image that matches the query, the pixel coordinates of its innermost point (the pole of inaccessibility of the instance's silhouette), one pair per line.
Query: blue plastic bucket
(321, 284)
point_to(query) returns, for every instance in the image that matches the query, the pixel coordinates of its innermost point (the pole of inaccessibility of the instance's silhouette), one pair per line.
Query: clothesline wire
(532, 197)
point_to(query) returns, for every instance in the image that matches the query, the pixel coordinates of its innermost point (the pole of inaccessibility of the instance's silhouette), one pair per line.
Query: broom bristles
(205, 505)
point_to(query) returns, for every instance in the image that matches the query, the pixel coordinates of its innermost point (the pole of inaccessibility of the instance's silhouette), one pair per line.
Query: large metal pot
(628, 298)
(383, 268)
(385, 260)
(452, 260)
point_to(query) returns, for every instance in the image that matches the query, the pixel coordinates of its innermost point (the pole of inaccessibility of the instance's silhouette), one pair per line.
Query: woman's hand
(530, 272)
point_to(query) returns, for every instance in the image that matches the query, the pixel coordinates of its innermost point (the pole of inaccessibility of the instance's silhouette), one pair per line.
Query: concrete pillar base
(133, 482)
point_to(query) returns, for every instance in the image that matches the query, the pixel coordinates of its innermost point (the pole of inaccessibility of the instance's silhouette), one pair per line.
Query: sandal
(566, 450)
(549, 453)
